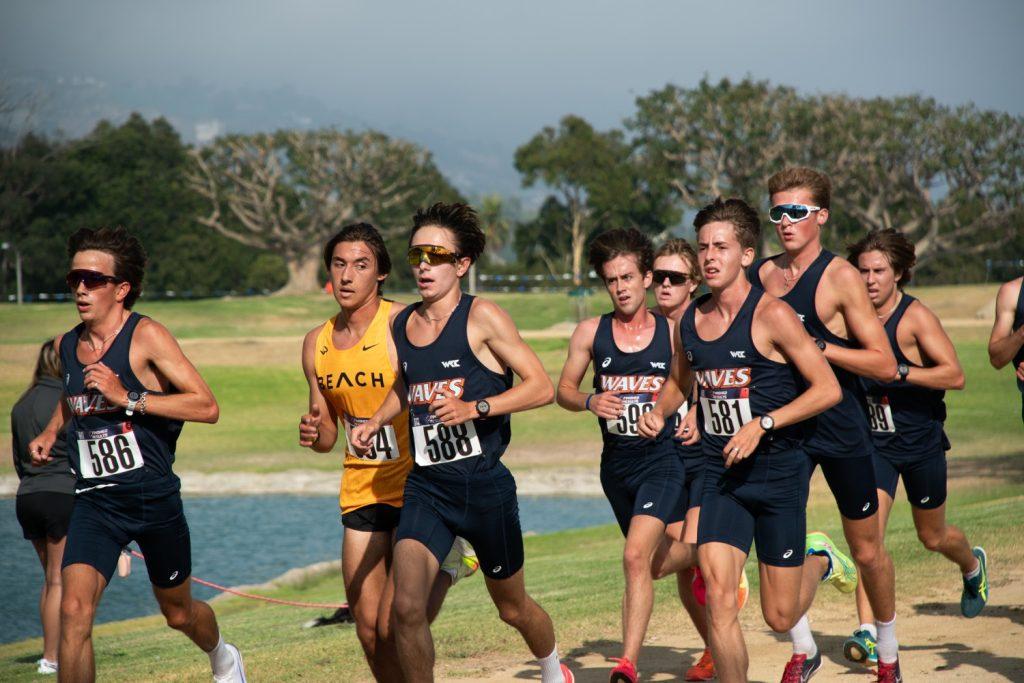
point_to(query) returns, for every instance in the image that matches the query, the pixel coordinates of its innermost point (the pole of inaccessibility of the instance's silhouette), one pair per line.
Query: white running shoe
(461, 561)
(46, 666)
(237, 673)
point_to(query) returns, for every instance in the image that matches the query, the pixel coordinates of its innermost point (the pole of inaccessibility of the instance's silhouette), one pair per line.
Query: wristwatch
(133, 399)
(902, 370)
(820, 342)
(483, 407)
(767, 423)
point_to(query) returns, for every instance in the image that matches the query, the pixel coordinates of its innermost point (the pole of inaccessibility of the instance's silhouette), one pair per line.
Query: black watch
(820, 342)
(483, 407)
(902, 370)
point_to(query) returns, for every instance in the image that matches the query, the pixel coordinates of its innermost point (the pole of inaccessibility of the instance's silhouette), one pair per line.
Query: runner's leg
(721, 565)
(415, 570)
(864, 612)
(521, 612)
(645, 533)
(82, 587)
(365, 557)
(50, 553)
(943, 538)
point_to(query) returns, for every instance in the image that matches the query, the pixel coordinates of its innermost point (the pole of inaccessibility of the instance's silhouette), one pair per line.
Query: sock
(974, 573)
(221, 660)
(870, 628)
(551, 668)
(803, 639)
(887, 647)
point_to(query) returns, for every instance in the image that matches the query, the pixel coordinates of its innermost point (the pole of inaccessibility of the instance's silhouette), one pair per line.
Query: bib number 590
(627, 423)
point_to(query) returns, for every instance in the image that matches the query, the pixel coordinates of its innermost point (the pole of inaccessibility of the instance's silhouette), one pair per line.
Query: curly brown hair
(129, 256)
(897, 249)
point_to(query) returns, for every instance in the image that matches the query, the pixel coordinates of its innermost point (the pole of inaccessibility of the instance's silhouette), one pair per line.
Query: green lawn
(575, 575)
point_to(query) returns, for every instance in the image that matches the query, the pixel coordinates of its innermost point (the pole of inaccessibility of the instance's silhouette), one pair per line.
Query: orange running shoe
(743, 592)
(704, 669)
(700, 590)
(624, 671)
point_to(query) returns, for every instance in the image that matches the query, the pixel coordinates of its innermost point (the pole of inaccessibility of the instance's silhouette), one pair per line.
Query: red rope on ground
(252, 596)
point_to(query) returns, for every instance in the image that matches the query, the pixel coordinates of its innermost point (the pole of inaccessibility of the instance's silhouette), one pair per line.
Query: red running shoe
(624, 671)
(800, 668)
(567, 675)
(704, 669)
(889, 673)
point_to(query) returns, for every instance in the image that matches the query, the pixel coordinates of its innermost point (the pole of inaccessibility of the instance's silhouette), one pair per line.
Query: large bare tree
(289, 191)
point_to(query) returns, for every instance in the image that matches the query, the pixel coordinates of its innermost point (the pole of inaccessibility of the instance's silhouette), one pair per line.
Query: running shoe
(800, 668)
(889, 673)
(975, 594)
(700, 589)
(704, 669)
(624, 671)
(461, 561)
(46, 666)
(567, 676)
(237, 673)
(743, 592)
(842, 572)
(860, 647)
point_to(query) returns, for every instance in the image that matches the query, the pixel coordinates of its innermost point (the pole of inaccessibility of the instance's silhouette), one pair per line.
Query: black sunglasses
(90, 278)
(674, 276)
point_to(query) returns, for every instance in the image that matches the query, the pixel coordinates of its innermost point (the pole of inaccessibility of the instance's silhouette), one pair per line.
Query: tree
(496, 226)
(598, 184)
(289, 191)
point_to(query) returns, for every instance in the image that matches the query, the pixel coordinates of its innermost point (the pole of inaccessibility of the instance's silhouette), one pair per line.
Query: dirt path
(936, 643)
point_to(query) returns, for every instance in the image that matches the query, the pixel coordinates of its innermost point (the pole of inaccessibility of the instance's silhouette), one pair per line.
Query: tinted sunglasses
(795, 212)
(90, 278)
(432, 254)
(674, 276)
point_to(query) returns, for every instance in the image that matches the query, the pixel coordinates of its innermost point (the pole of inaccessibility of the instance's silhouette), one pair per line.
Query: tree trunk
(578, 239)
(304, 273)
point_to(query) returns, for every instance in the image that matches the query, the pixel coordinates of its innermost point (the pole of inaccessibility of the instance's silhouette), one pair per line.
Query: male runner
(1007, 341)
(457, 354)
(829, 297)
(907, 415)
(746, 350)
(676, 278)
(350, 363)
(128, 388)
(643, 479)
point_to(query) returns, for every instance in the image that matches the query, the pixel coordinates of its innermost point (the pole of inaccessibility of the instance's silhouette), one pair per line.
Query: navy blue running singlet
(106, 447)
(906, 419)
(449, 366)
(736, 384)
(840, 431)
(640, 375)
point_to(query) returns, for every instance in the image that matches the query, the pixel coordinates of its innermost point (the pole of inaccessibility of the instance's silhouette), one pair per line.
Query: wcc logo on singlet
(90, 403)
(425, 393)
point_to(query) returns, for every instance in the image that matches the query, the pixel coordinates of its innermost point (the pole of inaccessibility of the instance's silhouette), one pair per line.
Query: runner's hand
(649, 425)
(607, 405)
(309, 427)
(687, 429)
(99, 377)
(1020, 369)
(452, 411)
(39, 447)
(743, 444)
(362, 436)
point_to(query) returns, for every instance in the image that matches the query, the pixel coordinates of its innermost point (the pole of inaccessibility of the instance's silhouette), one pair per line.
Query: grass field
(575, 575)
(248, 351)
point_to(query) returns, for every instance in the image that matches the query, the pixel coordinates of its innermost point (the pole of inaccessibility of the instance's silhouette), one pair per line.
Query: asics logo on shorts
(496, 569)
(865, 508)
(925, 499)
(648, 504)
(786, 555)
(173, 576)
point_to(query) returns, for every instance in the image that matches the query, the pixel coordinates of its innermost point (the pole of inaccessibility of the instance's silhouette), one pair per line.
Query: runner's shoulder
(396, 308)
(490, 316)
(151, 333)
(1008, 293)
(771, 310)
(841, 273)
(918, 314)
(585, 331)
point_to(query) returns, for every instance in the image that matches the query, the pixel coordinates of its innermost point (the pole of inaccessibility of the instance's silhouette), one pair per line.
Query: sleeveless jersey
(356, 381)
(1018, 322)
(639, 374)
(112, 453)
(736, 384)
(448, 366)
(840, 431)
(906, 419)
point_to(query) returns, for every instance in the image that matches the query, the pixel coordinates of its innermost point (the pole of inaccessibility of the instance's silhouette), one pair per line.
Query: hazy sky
(500, 71)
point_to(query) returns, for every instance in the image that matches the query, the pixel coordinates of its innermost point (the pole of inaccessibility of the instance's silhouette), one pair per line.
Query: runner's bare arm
(581, 344)
(671, 396)
(944, 372)
(875, 358)
(318, 428)
(1004, 343)
(362, 435)
(192, 400)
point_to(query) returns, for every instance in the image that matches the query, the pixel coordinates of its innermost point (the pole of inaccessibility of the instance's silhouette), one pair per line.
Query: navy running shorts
(645, 482)
(694, 487)
(481, 508)
(924, 478)
(373, 517)
(100, 529)
(852, 481)
(761, 500)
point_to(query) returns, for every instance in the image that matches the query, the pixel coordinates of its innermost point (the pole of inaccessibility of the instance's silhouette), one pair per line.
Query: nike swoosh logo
(367, 348)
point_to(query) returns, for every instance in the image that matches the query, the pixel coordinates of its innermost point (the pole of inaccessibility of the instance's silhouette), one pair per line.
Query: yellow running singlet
(355, 381)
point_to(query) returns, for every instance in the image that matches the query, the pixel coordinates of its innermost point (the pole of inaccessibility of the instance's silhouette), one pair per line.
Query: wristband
(586, 404)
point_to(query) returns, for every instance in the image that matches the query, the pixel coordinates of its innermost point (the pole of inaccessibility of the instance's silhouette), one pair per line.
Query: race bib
(435, 443)
(880, 415)
(725, 410)
(108, 451)
(634, 406)
(681, 415)
(385, 444)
